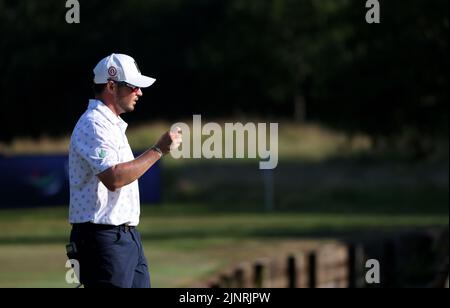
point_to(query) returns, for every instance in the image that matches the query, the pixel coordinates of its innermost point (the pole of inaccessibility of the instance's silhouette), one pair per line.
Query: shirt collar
(107, 113)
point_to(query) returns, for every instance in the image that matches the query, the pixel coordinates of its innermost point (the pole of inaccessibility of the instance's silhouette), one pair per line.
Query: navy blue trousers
(110, 256)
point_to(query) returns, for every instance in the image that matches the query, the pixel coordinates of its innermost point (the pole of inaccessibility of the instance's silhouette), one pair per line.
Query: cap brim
(141, 81)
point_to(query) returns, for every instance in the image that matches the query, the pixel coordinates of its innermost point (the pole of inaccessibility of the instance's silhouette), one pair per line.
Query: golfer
(104, 195)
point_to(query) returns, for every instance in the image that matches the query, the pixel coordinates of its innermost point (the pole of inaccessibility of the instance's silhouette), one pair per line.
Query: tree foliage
(223, 57)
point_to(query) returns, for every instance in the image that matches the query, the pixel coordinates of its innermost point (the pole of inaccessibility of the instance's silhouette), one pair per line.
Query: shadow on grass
(338, 233)
(337, 186)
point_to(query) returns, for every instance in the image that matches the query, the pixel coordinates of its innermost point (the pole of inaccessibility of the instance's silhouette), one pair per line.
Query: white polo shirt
(98, 142)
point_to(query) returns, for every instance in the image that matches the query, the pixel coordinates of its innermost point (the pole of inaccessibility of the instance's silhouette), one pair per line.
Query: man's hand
(177, 138)
(170, 140)
(125, 173)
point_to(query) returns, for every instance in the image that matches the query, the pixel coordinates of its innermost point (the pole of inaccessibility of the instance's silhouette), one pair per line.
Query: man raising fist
(104, 194)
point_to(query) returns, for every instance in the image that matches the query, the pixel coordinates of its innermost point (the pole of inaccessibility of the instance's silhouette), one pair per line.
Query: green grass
(184, 247)
(325, 188)
(309, 142)
(194, 221)
(173, 263)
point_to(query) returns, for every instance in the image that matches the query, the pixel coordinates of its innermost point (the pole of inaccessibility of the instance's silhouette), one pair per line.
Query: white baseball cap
(120, 67)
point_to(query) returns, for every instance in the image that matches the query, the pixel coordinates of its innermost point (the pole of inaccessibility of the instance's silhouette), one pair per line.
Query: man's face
(126, 97)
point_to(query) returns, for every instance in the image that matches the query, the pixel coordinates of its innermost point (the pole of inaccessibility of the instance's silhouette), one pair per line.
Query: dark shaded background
(313, 66)
(302, 60)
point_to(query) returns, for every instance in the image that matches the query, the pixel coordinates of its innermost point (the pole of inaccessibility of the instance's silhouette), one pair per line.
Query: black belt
(89, 225)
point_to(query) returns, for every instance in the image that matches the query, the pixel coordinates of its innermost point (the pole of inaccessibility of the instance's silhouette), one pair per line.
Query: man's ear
(110, 87)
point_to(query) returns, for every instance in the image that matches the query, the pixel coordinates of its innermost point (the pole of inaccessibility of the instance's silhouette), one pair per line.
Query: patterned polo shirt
(99, 142)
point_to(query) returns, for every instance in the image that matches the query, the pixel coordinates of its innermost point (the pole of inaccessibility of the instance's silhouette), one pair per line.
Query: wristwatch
(158, 150)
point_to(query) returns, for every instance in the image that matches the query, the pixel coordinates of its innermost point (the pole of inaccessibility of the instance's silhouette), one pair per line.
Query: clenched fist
(170, 140)
(176, 137)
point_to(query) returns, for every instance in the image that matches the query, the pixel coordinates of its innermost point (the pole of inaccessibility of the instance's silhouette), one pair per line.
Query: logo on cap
(112, 71)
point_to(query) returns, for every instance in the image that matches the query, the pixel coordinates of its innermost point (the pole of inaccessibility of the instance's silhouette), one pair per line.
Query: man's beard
(126, 107)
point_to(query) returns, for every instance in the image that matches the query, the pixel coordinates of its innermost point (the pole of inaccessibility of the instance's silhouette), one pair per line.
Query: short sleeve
(95, 143)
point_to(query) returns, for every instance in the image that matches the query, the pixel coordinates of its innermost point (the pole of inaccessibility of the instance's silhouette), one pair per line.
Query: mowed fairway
(184, 248)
